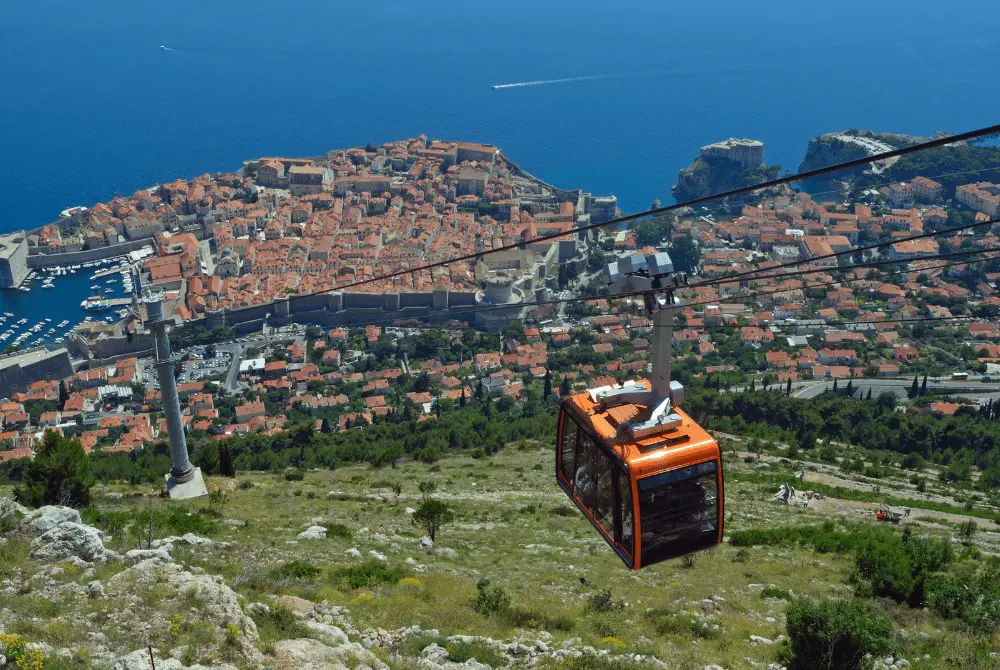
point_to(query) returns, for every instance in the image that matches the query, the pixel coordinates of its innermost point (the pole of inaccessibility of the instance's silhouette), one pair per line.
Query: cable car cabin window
(678, 512)
(567, 455)
(593, 484)
(625, 512)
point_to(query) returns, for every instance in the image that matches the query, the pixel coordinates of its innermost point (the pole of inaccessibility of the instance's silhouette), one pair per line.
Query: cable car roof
(683, 442)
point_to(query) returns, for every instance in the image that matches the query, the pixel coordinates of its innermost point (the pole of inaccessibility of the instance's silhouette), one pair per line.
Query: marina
(72, 293)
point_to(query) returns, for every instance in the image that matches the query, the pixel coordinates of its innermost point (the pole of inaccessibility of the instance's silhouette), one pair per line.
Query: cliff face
(706, 176)
(847, 145)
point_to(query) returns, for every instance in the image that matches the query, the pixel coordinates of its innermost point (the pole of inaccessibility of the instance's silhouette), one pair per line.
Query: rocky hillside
(331, 571)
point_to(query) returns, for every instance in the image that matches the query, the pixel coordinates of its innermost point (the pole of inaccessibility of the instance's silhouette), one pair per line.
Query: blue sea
(90, 106)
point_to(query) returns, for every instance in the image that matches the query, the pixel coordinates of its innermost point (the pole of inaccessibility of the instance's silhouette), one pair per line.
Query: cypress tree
(869, 397)
(564, 387)
(63, 393)
(850, 388)
(324, 426)
(835, 386)
(461, 401)
(548, 384)
(226, 468)
(914, 387)
(788, 387)
(923, 386)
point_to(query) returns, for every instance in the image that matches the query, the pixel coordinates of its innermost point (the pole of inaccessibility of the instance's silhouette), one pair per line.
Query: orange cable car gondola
(642, 471)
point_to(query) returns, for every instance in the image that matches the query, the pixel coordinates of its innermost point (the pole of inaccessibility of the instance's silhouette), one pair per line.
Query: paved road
(900, 387)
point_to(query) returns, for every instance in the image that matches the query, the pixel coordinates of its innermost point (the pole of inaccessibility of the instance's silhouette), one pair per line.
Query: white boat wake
(543, 82)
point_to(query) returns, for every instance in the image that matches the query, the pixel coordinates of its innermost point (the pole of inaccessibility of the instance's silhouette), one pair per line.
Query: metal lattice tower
(184, 480)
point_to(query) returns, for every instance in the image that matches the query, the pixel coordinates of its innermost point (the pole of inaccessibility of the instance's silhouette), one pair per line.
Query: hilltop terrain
(311, 569)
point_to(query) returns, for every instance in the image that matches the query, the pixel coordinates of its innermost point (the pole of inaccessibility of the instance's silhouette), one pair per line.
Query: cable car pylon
(640, 469)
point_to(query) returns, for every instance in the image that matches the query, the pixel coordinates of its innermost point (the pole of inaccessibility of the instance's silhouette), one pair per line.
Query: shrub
(294, 475)
(884, 563)
(60, 474)
(338, 530)
(603, 601)
(245, 485)
(969, 594)
(836, 634)
(770, 592)
(369, 574)
(562, 510)
(296, 570)
(667, 622)
(490, 599)
(279, 623)
(460, 652)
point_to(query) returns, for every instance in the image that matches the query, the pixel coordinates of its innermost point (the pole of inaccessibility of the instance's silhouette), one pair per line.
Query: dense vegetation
(950, 166)
(956, 442)
(904, 567)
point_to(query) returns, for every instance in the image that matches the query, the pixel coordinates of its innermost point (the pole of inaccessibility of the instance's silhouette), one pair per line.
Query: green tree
(686, 254)
(923, 386)
(547, 389)
(836, 634)
(60, 474)
(426, 488)
(461, 401)
(564, 387)
(432, 515)
(914, 387)
(788, 387)
(324, 426)
(63, 393)
(226, 468)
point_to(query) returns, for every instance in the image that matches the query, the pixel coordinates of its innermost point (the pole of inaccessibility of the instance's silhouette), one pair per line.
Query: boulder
(296, 604)
(216, 603)
(327, 634)
(434, 653)
(68, 539)
(138, 555)
(139, 660)
(46, 518)
(757, 639)
(377, 556)
(186, 538)
(95, 589)
(306, 654)
(313, 533)
(426, 542)
(353, 552)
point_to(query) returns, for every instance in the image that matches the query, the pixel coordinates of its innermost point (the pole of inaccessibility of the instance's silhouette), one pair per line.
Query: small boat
(163, 48)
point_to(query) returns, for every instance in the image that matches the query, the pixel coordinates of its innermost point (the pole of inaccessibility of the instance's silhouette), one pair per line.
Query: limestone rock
(216, 603)
(95, 589)
(434, 653)
(48, 517)
(426, 542)
(306, 654)
(353, 552)
(139, 555)
(139, 660)
(297, 605)
(757, 639)
(313, 533)
(67, 539)
(330, 635)
(186, 538)
(377, 556)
